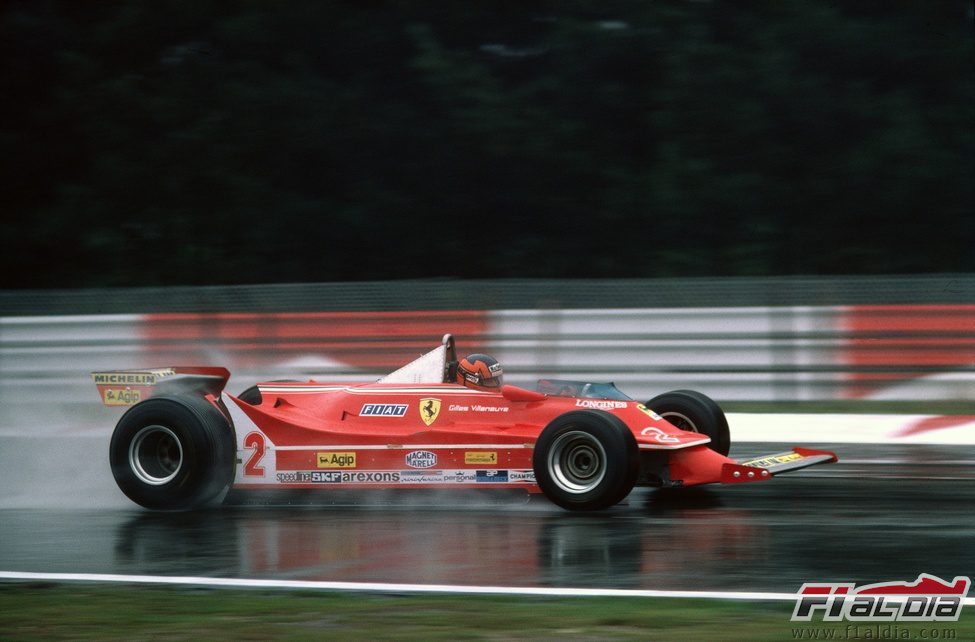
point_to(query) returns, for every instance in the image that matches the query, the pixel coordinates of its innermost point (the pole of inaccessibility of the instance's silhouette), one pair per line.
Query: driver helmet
(480, 372)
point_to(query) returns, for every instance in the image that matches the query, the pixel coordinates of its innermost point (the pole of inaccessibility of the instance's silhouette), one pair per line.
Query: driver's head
(480, 372)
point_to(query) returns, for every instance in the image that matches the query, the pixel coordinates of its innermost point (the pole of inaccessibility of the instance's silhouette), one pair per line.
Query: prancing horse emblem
(429, 410)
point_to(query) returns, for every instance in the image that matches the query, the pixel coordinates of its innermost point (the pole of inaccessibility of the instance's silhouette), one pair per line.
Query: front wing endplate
(766, 466)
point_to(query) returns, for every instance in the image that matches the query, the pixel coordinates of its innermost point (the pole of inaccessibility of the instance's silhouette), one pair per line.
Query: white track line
(382, 587)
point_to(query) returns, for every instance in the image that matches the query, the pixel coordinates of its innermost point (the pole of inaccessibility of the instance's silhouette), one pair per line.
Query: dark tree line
(235, 142)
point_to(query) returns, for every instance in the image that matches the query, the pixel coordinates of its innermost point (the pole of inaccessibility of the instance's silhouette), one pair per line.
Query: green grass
(50, 611)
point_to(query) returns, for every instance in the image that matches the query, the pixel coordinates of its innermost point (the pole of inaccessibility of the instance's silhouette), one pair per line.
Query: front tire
(173, 453)
(586, 460)
(695, 412)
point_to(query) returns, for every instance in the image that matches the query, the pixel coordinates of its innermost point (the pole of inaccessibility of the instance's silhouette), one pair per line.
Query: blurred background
(769, 202)
(176, 143)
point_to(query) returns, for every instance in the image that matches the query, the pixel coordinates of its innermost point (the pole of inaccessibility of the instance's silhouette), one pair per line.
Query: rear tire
(695, 412)
(586, 460)
(173, 453)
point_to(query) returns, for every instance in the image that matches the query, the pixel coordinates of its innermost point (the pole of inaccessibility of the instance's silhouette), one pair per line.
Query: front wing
(701, 465)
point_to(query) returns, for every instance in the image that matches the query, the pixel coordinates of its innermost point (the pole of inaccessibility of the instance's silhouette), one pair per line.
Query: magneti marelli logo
(927, 599)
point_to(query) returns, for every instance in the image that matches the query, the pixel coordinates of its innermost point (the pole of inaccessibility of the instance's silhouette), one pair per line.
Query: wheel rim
(577, 461)
(155, 455)
(680, 421)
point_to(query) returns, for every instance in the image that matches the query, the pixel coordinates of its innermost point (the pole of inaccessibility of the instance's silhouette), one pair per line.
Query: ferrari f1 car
(183, 443)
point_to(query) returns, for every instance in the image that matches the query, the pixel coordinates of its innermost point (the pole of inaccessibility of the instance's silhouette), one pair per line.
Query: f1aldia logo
(927, 599)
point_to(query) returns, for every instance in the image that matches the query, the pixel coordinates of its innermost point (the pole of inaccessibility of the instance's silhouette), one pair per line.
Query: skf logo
(429, 410)
(336, 460)
(927, 599)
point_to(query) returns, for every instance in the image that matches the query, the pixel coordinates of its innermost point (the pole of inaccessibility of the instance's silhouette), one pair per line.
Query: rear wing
(129, 387)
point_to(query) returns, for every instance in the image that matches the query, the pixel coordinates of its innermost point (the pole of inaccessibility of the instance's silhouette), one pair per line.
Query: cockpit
(439, 366)
(583, 389)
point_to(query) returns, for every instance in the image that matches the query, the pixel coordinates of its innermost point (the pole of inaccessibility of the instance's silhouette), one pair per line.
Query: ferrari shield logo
(429, 410)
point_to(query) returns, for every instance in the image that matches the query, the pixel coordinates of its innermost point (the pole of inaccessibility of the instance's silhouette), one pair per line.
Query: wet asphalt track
(883, 514)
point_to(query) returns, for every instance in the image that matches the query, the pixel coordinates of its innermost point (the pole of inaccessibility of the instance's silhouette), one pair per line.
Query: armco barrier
(507, 294)
(766, 353)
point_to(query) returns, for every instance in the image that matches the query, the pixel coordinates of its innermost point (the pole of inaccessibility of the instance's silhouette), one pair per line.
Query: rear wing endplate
(129, 387)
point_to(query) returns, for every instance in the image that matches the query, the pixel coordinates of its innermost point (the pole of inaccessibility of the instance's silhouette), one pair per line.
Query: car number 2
(253, 466)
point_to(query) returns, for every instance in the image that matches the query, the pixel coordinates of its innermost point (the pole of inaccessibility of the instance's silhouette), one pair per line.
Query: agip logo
(336, 460)
(121, 396)
(927, 599)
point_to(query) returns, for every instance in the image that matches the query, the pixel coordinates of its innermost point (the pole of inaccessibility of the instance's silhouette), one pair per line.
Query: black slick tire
(173, 453)
(586, 460)
(695, 412)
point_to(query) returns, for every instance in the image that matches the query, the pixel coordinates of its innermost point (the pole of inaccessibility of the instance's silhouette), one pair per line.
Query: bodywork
(416, 429)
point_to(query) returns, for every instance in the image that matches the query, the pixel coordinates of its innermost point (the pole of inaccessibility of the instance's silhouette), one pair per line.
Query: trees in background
(176, 143)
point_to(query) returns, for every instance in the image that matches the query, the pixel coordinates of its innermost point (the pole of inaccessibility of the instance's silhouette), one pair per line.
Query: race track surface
(883, 514)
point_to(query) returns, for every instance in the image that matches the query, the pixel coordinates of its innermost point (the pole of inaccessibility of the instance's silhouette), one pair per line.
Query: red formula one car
(184, 444)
